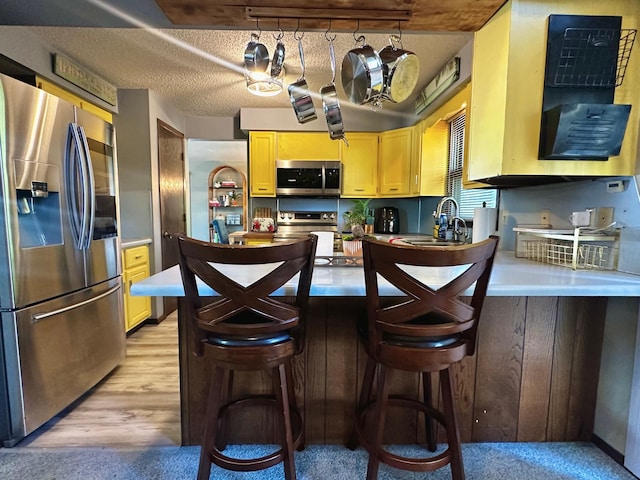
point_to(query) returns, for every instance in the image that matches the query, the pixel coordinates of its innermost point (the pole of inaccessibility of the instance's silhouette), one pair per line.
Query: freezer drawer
(57, 350)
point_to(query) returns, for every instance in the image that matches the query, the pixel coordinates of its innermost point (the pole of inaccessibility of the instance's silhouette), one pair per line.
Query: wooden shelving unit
(224, 180)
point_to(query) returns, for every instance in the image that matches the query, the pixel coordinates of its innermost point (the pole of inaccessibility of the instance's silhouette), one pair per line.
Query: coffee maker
(387, 220)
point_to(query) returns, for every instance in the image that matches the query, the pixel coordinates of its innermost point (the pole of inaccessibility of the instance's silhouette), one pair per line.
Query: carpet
(483, 461)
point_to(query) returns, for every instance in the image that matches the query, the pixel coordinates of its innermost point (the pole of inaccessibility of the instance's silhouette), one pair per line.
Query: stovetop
(290, 217)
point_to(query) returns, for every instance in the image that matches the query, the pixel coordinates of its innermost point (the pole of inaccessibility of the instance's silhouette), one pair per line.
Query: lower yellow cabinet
(135, 261)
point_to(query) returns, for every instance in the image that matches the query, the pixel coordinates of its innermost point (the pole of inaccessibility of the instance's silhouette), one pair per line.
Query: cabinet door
(435, 153)
(137, 309)
(394, 164)
(136, 267)
(416, 159)
(262, 164)
(360, 165)
(307, 146)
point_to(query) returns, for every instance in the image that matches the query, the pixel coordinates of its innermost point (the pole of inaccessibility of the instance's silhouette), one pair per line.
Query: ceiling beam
(327, 13)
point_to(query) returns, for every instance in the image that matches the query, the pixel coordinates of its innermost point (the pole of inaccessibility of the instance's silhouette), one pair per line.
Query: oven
(292, 225)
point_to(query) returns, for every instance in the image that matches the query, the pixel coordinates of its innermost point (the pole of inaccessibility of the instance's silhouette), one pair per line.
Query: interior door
(173, 217)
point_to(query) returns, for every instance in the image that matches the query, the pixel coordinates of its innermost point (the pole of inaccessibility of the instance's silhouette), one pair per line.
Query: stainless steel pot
(256, 56)
(278, 60)
(331, 103)
(299, 94)
(401, 71)
(362, 74)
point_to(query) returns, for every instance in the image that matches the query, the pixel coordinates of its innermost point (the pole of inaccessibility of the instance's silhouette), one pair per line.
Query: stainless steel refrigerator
(62, 321)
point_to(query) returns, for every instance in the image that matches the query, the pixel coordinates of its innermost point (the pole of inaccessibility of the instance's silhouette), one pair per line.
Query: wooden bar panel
(316, 371)
(561, 370)
(536, 368)
(341, 377)
(499, 369)
(533, 377)
(586, 367)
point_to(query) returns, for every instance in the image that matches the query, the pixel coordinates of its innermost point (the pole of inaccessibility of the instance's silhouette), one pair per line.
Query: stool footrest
(423, 464)
(260, 463)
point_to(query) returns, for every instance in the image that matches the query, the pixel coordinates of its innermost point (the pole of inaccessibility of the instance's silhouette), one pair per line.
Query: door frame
(169, 304)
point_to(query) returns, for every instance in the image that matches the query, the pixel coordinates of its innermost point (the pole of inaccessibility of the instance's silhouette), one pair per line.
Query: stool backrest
(214, 263)
(472, 264)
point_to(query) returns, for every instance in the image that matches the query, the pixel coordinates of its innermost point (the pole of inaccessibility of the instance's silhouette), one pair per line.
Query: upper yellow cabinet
(262, 164)
(434, 149)
(415, 172)
(394, 162)
(506, 99)
(59, 92)
(360, 165)
(384, 164)
(307, 146)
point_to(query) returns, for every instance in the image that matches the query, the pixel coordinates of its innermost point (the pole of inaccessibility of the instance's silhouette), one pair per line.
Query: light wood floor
(137, 404)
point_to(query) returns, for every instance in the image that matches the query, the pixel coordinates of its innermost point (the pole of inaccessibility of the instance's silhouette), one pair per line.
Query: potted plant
(234, 196)
(355, 220)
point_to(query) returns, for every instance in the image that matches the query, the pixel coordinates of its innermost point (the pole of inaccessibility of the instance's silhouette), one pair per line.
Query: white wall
(22, 46)
(616, 372)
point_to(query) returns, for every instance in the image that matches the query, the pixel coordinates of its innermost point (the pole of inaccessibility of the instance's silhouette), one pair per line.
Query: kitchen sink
(430, 242)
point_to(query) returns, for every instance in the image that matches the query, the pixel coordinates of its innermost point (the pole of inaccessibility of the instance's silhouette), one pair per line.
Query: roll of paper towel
(484, 223)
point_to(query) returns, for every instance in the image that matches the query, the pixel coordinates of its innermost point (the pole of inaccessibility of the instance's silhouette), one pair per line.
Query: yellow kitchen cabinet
(135, 261)
(509, 55)
(435, 144)
(262, 164)
(307, 146)
(394, 162)
(435, 159)
(59, 92)
(416, 159)
(360, 165)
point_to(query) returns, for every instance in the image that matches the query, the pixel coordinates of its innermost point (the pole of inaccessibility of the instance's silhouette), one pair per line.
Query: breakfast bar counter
(533, 378)
(511, 277)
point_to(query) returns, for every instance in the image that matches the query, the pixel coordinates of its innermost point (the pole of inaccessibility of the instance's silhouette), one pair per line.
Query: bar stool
(247, 328)
(422, 330)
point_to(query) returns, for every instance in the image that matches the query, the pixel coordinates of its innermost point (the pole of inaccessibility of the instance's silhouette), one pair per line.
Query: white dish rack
(582, 248)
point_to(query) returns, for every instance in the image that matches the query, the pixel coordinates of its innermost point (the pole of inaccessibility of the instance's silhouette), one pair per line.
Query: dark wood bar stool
(422, 330)
(247, 328)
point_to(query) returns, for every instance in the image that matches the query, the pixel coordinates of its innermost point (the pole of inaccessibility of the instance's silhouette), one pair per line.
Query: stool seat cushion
(410, 340)
(254, 340)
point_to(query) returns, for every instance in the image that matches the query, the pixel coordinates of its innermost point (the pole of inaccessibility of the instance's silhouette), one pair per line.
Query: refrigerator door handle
(89, 188)
(77, 200)
(36, 317)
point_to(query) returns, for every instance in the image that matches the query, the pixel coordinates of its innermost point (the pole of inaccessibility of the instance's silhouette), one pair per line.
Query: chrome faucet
(458, 234)
(441, 204)
(455, 220)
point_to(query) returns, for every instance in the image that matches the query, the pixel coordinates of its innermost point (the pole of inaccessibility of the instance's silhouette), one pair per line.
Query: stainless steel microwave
(307, 178)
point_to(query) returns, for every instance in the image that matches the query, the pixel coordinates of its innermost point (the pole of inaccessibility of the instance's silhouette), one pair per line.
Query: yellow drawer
(135, 256)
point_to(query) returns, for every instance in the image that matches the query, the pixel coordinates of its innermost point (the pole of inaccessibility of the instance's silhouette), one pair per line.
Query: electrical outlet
(603, 217)
(545, 216)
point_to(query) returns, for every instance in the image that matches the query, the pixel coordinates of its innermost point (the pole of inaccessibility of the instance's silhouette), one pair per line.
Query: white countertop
(134, 242)
(511, 277)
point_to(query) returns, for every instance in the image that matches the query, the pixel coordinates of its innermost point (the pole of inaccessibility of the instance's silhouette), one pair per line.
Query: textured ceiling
(199, 70)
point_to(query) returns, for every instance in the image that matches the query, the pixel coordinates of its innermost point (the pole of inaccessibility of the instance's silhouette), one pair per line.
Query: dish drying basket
(579, 249)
